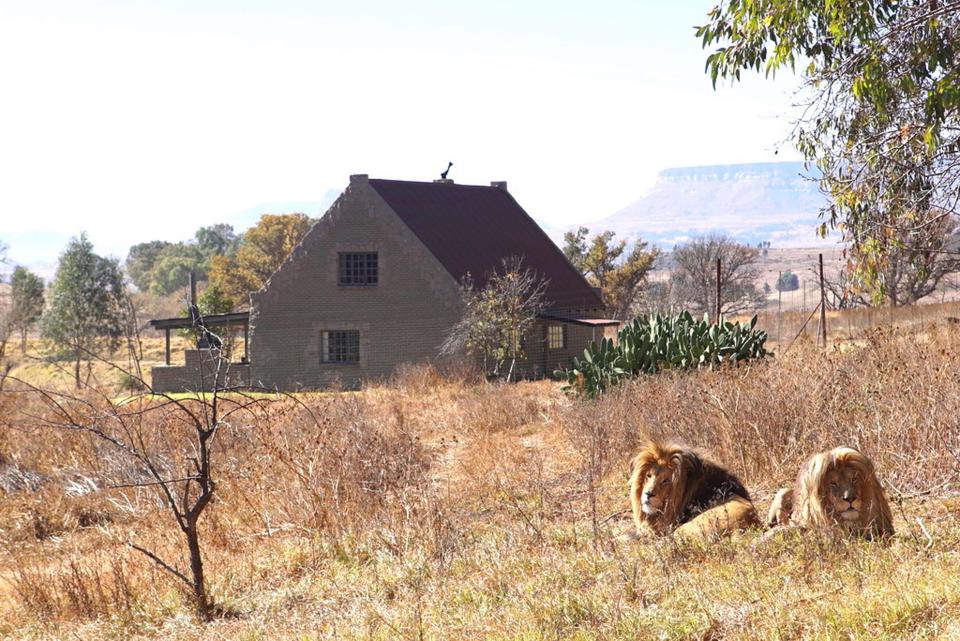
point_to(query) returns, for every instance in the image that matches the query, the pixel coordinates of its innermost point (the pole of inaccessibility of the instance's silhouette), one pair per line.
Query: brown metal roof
(471, 228)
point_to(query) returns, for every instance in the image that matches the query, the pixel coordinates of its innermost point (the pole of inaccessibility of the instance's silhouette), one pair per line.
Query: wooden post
(779, 307)
(246, 341)
(193, 289)
(166, 335)
(718, 290)
(823, 307)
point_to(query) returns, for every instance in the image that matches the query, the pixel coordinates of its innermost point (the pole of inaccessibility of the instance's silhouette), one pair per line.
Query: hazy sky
(136, 120)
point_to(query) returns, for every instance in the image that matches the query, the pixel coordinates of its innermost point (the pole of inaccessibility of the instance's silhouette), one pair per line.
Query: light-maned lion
(675, 489)
(837, 487)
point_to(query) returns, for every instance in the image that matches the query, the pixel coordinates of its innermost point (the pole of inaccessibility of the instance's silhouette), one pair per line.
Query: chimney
(499, 184)
(358, 178)
(443, 181)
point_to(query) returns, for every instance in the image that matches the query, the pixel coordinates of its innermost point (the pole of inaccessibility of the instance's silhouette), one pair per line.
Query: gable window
(340, 346)
(357, 269)
(556, 337)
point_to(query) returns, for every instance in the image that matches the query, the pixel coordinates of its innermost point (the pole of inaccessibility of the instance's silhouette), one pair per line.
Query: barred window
(357, 269)
(340, 346)
(556, 337)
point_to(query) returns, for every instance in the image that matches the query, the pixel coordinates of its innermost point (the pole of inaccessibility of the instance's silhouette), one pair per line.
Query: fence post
(823, 307)
(779, 308)
(718, 290)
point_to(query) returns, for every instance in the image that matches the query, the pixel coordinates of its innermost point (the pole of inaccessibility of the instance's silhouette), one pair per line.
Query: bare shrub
(417, 378)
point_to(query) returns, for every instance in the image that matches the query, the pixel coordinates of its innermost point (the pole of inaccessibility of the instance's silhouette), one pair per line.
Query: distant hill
(756, 202)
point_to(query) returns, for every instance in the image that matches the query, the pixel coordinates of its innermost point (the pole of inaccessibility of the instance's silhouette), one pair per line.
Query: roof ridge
(425, 182)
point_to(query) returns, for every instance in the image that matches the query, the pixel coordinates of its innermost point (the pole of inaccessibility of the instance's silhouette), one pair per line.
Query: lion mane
(702, 500)
(810, 503)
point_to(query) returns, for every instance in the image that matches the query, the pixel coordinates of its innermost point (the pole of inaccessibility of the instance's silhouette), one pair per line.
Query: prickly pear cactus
(649, 344)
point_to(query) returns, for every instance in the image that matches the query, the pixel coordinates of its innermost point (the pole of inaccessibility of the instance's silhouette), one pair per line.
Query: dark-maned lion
(675, 489)
(835, 488)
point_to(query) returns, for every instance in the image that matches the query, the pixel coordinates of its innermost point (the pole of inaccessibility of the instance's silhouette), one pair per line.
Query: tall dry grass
(439, 507)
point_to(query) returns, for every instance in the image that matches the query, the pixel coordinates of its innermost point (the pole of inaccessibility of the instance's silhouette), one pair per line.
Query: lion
(835, 488)
(675, 489)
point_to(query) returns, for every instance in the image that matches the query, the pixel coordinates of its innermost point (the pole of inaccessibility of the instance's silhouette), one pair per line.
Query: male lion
(673, 488)
(837, 487)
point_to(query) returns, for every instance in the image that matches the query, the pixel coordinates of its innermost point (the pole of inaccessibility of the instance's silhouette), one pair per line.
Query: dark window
(340, 346)
(556, 337)
(357, 269)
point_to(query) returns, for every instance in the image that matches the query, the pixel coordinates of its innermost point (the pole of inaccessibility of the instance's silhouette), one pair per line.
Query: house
(376, 283)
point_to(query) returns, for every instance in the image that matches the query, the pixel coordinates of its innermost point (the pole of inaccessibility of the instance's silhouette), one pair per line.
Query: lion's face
(658, 483)
(844, 495)
(840, 486)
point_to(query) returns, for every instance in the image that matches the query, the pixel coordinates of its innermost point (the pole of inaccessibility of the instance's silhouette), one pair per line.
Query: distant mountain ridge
(777, 202)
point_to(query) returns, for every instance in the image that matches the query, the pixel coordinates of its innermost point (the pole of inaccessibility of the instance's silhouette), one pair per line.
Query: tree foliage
(260, 252)
(171, 270)
(140, 261)
(603, 262)
(26, 302)
(694, 279)
(906, 274)
(881, 118)
(162, 267)
(788, 282)
(217, 240)
(87, 303)
(498, 317)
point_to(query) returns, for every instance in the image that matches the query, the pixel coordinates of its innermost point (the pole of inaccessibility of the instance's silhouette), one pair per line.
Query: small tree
(168, 446)
(602, 261)
(498, 316)
(788, 282)
(695, 277)
(86, 303)
(26, 293)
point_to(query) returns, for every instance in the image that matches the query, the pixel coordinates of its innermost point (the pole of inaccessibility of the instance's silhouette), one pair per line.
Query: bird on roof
(443, 175)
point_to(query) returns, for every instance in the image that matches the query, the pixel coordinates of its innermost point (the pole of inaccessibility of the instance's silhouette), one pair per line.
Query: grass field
(430, 508)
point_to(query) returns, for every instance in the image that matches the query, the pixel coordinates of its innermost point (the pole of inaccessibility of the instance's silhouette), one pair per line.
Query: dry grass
(436, 507)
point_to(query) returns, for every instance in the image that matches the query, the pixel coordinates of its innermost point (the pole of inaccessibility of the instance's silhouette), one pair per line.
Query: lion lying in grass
(835, 488)
(674, 489)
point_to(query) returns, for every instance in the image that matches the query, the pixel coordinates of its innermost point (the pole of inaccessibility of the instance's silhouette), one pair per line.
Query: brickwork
(403, 318)
(201, 370)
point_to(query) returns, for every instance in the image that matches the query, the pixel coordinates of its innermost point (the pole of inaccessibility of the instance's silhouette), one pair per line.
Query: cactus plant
(649, 344)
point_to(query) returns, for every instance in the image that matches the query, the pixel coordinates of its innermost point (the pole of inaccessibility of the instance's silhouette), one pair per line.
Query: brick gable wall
(404, 318)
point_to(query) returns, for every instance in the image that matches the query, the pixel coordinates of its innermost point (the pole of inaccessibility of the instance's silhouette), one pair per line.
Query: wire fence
(813, 312)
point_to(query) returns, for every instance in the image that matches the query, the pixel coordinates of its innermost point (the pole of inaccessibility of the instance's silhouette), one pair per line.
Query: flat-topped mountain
(776, 202)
